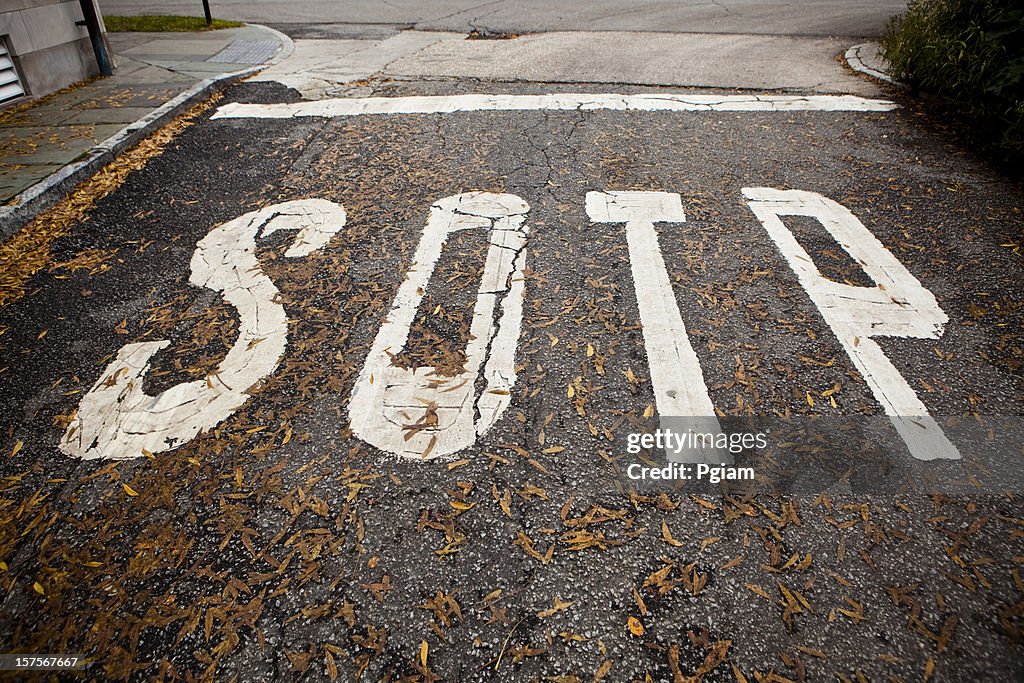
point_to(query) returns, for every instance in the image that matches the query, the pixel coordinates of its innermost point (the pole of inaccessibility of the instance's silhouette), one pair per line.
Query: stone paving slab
(53, 144)
(147, 73)
(13, 175)
(44, 115)
(109, 115)
(171, 46)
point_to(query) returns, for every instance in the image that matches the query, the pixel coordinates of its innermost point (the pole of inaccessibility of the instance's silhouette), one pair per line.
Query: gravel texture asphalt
(279, 545)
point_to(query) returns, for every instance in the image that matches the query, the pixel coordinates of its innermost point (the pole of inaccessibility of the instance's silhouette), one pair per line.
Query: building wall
(49, 50)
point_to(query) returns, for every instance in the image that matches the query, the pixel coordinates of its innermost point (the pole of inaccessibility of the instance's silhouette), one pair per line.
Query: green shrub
(970, 52)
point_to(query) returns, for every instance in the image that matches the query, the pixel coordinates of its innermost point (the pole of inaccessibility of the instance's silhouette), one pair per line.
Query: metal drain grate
(246, 52)
(10, 84)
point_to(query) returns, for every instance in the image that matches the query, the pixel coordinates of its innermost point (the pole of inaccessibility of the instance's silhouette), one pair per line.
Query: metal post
(206, 10)
(99, 46)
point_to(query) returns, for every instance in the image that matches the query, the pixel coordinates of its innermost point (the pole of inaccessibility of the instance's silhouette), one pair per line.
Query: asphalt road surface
(308, 499)
(778, 17)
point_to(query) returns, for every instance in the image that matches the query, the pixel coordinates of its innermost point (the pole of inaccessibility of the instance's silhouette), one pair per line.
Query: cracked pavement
(351, 520)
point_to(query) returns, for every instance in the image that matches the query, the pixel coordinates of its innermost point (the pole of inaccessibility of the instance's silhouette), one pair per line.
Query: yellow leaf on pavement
(558, 607)
(666, 535)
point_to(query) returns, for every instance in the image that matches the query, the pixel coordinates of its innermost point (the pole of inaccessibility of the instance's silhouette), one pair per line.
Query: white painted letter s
(116, 419)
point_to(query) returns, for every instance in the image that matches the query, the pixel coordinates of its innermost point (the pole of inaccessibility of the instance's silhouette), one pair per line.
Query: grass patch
(970, 52)
(160, 23)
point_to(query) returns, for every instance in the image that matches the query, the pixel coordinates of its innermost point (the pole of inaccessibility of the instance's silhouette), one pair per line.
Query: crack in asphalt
(718, 3)
(464, 10)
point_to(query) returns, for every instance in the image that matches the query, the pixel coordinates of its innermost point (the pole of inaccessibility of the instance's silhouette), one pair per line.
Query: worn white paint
(416, 412)
(676, 376)
(446, 104)
(321, 68)
(899, 306)
(118, 420)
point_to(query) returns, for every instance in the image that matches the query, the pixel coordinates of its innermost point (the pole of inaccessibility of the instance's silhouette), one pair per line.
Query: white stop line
(419, 413)
(447, 104)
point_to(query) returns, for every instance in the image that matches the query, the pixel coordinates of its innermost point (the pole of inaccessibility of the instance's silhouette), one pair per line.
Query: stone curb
(854, 61)
(23, 208)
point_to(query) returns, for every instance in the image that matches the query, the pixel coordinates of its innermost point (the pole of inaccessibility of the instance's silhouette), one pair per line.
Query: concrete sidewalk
(322, 68)
(42, 138)
(703, 60)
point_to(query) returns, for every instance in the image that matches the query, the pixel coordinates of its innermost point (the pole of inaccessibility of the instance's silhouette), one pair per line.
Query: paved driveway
(359, 387)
